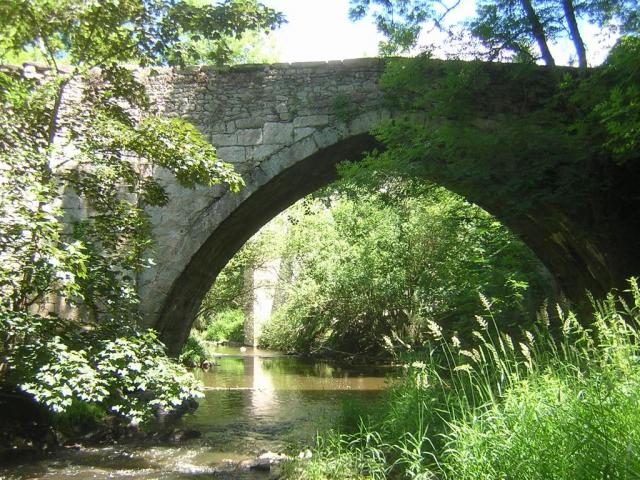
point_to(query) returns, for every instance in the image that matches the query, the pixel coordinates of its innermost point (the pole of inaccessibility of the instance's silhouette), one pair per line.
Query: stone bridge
(284, 127)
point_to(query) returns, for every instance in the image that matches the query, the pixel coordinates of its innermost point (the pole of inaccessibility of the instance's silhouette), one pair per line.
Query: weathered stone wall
(263, 119)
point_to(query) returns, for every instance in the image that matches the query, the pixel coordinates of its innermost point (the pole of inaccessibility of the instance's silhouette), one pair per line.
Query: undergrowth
(225, 326)
(560, 402)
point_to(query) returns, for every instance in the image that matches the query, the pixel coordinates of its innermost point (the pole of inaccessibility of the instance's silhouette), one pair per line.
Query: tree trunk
(538, 32)
(570, 15)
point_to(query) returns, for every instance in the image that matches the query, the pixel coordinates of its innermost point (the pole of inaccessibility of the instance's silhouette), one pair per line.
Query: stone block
(261, 152)
(363, 123)
(251, 136)
(302, 149)
(251, 122)
(327, 137)
(232, 154)
(299, 133)
(311, 121)
(224, 139)
(289, 156)
(277, 133)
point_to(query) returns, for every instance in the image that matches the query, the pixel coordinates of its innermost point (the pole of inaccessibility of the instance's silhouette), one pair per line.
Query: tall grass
(559, 402)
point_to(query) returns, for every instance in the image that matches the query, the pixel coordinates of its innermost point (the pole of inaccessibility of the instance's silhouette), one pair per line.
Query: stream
(255, 401)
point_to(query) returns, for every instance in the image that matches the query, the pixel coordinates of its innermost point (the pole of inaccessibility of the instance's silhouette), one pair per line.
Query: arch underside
(568, 252)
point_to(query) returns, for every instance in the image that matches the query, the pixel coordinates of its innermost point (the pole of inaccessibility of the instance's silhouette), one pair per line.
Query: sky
(319, 30)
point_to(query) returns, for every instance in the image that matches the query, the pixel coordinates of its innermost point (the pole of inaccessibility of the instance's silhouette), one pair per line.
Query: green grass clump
(340, 456)
(560, 402)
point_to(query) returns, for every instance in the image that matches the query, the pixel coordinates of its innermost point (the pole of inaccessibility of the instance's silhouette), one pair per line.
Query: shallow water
(255, 401)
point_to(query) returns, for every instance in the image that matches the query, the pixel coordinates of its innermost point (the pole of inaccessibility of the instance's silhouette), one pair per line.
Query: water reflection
(254, 401)
(264, 370)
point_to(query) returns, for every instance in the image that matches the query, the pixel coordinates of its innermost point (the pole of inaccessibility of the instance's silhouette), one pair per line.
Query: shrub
(113, 367)
(287, 333)
(193, 352)
(227, 325)
(79, 418)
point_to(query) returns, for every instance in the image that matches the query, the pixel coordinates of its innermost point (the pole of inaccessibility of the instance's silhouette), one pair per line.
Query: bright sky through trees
(321, 30)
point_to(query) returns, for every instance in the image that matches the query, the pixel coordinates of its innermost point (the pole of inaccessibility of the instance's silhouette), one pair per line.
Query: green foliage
(400, 20)
(343, 108)
(221, 316)
(528, 134)
(79, 417)
(513, 139)
(193, 353)
(539, 406)
(225, 326)
(254, 48)
(291, 334)
(251, 47)
(607, 105)
(74, 131)
(120, 370)
(371, 266)
(144, 31)
(230, 290)
(520, 30)
(343, 457)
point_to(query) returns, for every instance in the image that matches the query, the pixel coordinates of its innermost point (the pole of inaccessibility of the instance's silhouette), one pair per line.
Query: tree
(72, 128)
(86, 34)
(366, 264)
(509, 27)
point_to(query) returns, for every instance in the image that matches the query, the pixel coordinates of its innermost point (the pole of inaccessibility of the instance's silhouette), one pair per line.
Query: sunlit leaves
(52, 145)
(620, 112)
(180, 148)
(128, 375)
(78, 146)
(400, 20)
(144, 31)
(515, 30)
(376, 265)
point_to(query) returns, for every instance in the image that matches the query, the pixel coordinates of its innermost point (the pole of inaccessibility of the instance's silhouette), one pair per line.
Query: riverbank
(561, 401)
(255, 402)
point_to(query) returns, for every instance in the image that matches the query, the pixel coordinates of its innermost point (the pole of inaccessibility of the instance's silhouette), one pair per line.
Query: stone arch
(305, 167)
(285, 127)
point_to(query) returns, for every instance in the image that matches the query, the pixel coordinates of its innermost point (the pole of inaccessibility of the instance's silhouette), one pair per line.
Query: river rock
(306, 455)
(226, 465)
(274, 458)
(256, 464)
(263, 463)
